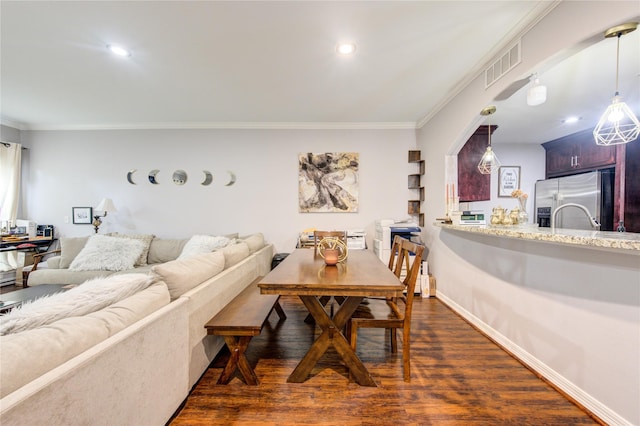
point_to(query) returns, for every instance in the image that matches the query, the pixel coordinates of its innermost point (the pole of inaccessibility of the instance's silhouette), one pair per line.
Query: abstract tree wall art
(328, 182)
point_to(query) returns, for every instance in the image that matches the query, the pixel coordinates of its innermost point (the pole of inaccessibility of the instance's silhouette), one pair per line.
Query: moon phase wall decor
(179, 177)
(208, 178)
(232, 178)
(130, 176)
(152, 176)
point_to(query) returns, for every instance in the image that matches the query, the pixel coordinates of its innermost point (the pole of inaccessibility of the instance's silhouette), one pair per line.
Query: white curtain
(10, 171)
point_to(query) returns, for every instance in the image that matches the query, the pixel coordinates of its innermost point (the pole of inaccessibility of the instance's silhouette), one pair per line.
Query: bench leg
(238, 361)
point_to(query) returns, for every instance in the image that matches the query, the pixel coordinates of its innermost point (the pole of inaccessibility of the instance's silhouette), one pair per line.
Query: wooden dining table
(304, 274)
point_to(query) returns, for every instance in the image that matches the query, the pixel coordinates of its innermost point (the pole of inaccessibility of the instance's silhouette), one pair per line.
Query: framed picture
(82, 215)
(508, 180)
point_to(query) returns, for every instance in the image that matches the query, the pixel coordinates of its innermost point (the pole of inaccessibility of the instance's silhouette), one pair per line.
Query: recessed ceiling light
(571, 120)
(118, 50)
(346, 48)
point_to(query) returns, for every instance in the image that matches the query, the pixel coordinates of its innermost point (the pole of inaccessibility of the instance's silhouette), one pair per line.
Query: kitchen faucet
(594, 223)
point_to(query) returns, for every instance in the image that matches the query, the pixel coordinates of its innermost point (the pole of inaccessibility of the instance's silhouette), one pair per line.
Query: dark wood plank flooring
(458, 377)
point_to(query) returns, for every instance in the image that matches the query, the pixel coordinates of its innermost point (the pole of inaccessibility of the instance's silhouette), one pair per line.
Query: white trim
(589, 402)
(230, 125)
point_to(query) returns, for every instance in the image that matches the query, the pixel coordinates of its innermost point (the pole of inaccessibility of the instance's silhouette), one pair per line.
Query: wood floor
(458, 377)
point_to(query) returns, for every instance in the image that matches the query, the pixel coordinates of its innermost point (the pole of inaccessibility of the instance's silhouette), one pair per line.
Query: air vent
(503, 65)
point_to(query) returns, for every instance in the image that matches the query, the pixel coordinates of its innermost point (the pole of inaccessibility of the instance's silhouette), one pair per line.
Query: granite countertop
(626, 241)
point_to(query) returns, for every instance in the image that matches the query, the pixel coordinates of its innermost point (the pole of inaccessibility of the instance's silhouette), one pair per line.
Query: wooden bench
(238, 322)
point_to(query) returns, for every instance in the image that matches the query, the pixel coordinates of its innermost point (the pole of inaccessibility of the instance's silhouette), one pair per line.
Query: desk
(16, 254)
(304, 275)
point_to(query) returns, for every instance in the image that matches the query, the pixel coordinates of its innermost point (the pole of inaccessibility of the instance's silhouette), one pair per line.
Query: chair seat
(378, 310)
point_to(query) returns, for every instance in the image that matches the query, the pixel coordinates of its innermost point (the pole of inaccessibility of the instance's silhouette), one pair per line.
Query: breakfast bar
(625, 241)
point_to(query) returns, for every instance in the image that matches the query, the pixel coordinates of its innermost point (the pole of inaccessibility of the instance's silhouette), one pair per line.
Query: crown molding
(230, 125)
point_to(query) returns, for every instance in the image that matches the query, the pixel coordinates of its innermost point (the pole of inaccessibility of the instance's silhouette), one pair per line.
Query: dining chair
(319, 235)
(393, 313)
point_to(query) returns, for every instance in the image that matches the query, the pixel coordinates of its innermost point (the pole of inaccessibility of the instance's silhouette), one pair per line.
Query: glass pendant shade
(489, 162)
(617, 125)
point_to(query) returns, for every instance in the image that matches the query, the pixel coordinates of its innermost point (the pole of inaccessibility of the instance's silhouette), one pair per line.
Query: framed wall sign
(508, 180)
(82, 215)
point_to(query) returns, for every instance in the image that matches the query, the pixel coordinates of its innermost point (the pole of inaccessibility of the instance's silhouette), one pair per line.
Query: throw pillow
(146, 240)
(181, 275)
(255, 242)
(235, 253)
(164, 250)
(199, 244)
(102, 253)
(88, 297)
(69, 249)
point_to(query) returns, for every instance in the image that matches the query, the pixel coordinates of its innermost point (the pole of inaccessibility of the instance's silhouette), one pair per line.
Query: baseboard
(592, 405)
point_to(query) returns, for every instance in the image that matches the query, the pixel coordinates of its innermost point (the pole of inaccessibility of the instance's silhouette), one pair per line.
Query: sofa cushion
(103, 253)
(164, 250)
(234, 253)
(182, 275)
(69, 249)
(146, 240)
(199, 244)
(49, 346)
(255, 242)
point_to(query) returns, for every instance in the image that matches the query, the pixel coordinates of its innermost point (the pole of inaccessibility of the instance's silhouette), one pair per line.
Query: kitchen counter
(619, 241)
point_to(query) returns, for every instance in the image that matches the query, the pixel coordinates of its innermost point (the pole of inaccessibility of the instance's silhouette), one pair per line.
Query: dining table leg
(332, 336)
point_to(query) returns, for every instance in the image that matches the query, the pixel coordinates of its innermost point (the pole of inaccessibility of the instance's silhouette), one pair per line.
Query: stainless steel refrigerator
(594, 190)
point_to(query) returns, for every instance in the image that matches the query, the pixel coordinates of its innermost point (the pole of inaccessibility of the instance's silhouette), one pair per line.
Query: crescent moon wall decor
(130, 176)
(208, 178)
(232, 178)
(152, 176)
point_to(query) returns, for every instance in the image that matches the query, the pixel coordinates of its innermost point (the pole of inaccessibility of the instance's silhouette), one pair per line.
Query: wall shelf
(415, 183)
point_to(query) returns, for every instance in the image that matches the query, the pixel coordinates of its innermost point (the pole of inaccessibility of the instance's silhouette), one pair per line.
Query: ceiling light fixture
(118, 50)
(618, 124)
(489, 162)
(346, 48)
(537, 94)
(571, 120)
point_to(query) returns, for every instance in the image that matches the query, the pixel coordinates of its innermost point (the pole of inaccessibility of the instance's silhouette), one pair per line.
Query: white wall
(572, 313)
(79, 168)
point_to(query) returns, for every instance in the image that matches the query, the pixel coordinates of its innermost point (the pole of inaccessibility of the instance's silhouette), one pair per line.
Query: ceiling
(271, 64)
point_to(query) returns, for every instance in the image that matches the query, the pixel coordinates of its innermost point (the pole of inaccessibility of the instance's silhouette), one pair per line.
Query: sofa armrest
(38, 257)
(54, 262)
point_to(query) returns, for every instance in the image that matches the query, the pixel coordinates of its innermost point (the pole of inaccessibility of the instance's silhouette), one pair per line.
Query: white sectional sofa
(134, 361)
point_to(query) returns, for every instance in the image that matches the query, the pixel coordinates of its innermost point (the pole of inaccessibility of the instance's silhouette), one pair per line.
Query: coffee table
(12, 299)
(305, 275)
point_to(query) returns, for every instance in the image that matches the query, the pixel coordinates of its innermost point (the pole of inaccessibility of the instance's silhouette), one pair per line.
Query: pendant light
(537, 93)
(618, 124)
(489, 162)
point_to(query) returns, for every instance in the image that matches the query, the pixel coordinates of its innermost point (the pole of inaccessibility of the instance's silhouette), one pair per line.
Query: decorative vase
(523, 216)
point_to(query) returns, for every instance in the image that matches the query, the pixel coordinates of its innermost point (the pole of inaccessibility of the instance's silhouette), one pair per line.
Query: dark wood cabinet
(577, 152)
(473, 185)
(632, 186)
